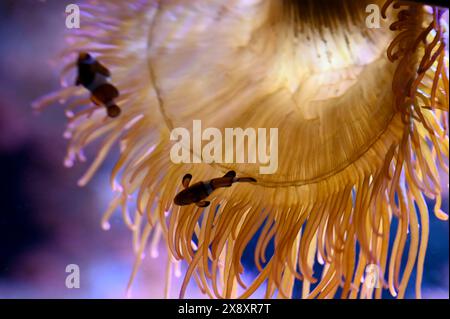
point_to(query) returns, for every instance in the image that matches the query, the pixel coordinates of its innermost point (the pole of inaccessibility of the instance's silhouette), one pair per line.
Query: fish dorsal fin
(186, 180)
(230, 174)
(100, 68)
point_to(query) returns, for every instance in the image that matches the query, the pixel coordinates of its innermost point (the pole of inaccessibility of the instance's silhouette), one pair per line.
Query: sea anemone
(362, 115)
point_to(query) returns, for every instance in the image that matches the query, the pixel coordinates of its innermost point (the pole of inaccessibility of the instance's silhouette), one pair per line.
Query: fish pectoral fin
(96, 100)
(230, 174)
(203, 203)
(186, 180)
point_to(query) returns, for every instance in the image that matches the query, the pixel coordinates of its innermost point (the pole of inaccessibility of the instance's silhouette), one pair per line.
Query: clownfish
(94, 76)
(196, 193)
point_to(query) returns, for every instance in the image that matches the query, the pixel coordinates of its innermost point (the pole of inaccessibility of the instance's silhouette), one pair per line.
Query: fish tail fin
(113, 110)
(244, 180)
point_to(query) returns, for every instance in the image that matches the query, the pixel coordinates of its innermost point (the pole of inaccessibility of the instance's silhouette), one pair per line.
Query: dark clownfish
(197, 192)
(94, 77)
